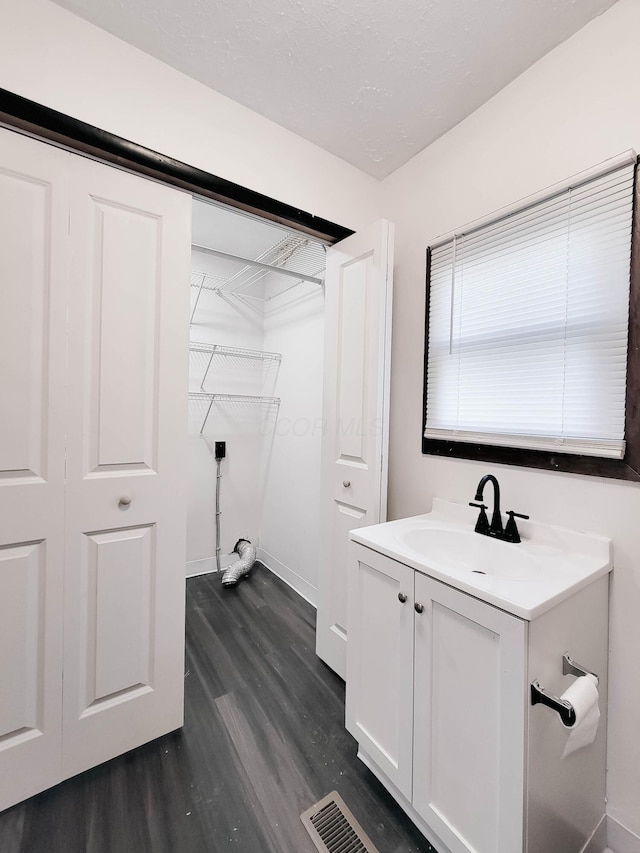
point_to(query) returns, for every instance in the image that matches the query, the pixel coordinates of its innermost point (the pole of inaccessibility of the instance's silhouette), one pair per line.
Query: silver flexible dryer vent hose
(241, 567)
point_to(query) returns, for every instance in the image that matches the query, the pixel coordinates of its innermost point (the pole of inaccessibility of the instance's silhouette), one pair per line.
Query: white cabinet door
(355, 416)
(469, 720)
(34, 191)
(126, 505)
(379, 706)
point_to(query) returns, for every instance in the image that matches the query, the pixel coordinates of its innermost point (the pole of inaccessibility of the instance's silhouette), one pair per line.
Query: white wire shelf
(234, 352)
(213, 350)
(230, 398)
(285, 265)
(206, 280)
(234, 398)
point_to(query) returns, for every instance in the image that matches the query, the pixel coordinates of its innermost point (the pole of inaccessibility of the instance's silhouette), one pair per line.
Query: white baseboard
(291, 578)
(598, 840)
(208, 564)
(620, 839)
(299, 584)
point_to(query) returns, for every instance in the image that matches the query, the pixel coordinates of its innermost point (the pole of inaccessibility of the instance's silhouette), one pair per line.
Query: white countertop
(525, 579)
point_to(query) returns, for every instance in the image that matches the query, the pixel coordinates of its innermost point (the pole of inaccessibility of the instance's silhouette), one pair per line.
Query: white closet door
(355, 416)
(126, 466)
(34, 193)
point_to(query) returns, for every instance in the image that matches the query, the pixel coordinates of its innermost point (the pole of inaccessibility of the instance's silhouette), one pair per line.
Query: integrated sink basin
(466, 551)
(525, 578)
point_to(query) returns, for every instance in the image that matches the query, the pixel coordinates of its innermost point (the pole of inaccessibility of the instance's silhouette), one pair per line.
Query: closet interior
(255, 383)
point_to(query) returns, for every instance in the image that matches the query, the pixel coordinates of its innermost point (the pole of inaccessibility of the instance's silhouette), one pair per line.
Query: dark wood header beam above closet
(30, 117)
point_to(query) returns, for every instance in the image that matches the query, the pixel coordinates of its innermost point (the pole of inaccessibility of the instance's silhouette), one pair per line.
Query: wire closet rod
(300, 276)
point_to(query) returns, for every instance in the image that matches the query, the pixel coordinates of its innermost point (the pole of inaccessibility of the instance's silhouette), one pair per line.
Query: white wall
(574, 108)
(232, 324)
(290, 526)
(57, 59)
(270, 488)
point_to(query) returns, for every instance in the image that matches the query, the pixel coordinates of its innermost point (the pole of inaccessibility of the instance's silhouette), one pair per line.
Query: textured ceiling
(372, 81)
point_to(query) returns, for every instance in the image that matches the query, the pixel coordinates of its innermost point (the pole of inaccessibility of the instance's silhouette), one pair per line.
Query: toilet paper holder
(564, 708)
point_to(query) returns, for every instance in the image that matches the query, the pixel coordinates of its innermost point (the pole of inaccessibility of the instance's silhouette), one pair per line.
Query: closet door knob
(418, 607)
(124, 501)
(346, 483)
(402, 597)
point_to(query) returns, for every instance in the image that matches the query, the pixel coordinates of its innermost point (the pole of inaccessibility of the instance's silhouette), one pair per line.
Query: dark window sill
(570, 463)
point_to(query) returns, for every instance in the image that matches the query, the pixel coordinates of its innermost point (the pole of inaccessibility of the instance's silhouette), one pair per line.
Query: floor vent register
(333, 829)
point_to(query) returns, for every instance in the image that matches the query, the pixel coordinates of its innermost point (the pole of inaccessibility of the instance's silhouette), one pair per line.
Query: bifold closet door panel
(355, 415)
(34, 192)
(126, 466)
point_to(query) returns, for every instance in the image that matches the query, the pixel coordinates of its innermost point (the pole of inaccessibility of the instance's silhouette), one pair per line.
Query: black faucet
(508, 534)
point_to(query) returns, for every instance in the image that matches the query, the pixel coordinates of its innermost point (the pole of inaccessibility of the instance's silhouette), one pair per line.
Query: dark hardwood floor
(263, 740)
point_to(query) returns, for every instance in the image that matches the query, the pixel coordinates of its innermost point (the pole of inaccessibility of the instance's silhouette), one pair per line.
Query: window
(528, 343)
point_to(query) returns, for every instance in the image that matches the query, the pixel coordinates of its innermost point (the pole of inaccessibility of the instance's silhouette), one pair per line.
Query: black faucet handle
(511, 532)
(482, 524)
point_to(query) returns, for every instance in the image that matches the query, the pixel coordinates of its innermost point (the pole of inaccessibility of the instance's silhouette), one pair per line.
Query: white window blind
(528, 322)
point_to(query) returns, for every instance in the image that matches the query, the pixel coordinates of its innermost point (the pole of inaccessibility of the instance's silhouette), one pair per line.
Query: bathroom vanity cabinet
(438, 699)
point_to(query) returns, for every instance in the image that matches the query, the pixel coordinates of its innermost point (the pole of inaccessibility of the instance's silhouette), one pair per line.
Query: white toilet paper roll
(583, 695)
